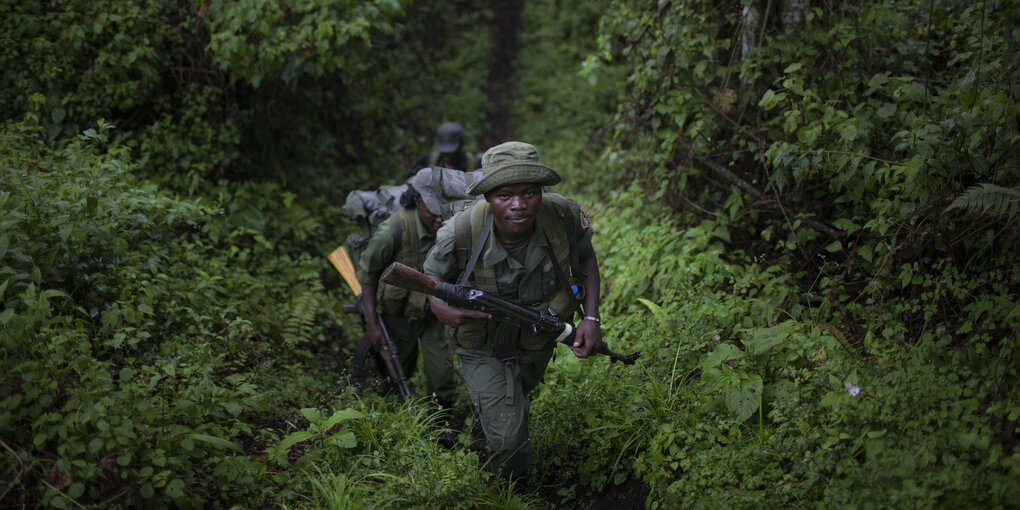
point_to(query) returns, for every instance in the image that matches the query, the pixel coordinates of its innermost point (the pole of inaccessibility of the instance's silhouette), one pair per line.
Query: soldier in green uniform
(448, 151)
(527, 246)
(406, 237)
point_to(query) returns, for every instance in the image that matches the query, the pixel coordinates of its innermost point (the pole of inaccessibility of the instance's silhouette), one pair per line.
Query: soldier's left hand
(588, 339)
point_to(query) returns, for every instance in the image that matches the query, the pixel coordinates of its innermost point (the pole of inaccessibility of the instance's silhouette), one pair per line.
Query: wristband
(593, 319)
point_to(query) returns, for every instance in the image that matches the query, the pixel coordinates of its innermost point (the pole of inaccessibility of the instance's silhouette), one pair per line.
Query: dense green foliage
(833, 286)
(171, 331)
(806, 216)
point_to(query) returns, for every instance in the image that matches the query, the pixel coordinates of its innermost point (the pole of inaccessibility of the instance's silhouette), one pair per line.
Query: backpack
(370, 208)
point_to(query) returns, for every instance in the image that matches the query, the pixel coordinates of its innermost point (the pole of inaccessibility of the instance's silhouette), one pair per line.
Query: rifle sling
(563, 278)
(473, 259)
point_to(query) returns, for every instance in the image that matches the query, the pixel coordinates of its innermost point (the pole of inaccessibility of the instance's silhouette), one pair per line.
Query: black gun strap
(473, 259)
(563, 278)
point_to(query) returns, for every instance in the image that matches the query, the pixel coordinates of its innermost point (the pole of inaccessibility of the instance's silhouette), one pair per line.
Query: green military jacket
(401, 238)
(532, 282)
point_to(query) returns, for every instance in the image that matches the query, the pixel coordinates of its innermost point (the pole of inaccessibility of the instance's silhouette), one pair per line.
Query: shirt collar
(535, 253)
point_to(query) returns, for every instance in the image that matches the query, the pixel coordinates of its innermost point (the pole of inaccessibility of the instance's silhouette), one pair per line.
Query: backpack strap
(479, 244)
(553, 220)
(470, 234)
(405, 238)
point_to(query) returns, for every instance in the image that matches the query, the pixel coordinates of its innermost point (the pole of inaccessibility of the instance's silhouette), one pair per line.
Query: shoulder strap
(406, 234)
(471, 235)
(483, 235)
(462, 238)
(554, 217)
(553, 221)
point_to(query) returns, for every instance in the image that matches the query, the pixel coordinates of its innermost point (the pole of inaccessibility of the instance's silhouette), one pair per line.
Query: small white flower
(852, 390)
(716, 338)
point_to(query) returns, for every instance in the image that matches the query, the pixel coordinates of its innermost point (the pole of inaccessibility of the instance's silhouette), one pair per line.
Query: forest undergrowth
(806, 219)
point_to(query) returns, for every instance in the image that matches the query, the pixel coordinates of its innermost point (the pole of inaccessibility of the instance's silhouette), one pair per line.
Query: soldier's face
(514, 209)
(431, 220)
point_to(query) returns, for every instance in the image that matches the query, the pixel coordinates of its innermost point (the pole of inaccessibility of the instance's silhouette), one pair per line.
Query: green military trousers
(504, 421)
(440, 376)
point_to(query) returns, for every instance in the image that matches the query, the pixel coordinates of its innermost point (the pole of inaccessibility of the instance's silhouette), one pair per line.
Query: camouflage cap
(422, 182)
(448, 137)
(512, 163)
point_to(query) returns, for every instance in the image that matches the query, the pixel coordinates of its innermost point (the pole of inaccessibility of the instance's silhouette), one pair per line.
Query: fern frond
(989, 198)
(300, 324)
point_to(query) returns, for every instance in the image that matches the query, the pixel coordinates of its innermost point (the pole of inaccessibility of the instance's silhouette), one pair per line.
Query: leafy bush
(734, 403)
(132, 334)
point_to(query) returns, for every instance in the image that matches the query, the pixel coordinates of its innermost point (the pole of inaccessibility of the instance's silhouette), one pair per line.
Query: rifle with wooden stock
(461, 296)
(342, 262)
(390, 358)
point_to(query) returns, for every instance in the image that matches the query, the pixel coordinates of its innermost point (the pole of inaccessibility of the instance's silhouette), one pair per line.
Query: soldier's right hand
(375, 338)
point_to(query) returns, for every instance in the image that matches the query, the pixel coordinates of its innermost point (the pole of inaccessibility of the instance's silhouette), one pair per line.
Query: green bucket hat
(512, 163)
(422, 182)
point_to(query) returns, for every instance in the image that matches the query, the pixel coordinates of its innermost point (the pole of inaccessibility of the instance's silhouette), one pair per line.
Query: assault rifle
(501, 310)
(342, 262)
(390, 358)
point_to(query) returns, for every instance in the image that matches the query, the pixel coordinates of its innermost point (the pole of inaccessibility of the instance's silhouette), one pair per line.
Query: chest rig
(472, 237)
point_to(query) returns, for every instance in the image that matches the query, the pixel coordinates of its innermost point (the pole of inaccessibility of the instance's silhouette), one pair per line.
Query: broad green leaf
(6, 316)
(657, 311)
(311, 414)
(722, 353)
(345, 440)
(809, 134)
(849, 131)
(865, 252)
(218, 442)
(846, 225)
(294, 438)
(56, 293)
(743, 400)
(175, 489)
(887, 110)
(762, 340)
(76, 490)
(234, 408)
(341, 415)
(770, 99)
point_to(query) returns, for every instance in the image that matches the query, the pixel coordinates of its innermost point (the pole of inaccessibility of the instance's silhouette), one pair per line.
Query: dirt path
(500, 88)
